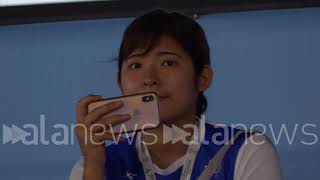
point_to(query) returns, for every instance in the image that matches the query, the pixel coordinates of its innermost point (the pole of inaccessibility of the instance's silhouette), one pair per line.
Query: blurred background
(266, 63)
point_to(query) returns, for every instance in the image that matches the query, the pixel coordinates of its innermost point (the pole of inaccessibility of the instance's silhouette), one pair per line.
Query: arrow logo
(174, 134)
(14, 134)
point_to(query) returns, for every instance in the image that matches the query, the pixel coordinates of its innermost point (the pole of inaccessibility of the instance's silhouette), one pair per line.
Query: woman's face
(167, 70)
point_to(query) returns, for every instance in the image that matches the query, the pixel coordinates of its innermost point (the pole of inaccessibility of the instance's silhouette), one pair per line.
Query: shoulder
(251, 142)
(255, 155)
(257, 159)
(220, 133)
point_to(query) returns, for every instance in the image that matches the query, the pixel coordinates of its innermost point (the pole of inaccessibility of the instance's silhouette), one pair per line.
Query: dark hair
(144, 32)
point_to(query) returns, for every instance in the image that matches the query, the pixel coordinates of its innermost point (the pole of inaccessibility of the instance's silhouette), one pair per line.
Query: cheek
(182, 79)
(129, 84)
(183, 85)
(183, 92)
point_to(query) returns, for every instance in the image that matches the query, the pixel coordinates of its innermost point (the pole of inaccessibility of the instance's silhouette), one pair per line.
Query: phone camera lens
(147, 98)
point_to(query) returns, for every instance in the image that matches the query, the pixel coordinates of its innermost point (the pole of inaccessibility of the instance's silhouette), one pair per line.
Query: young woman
(168, 53)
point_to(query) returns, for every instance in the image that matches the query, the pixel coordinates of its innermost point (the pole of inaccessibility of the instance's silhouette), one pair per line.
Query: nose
(149, 83)
(150, 78)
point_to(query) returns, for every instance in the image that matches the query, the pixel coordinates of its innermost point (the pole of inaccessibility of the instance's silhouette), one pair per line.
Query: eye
(134, 66)
(168, 63)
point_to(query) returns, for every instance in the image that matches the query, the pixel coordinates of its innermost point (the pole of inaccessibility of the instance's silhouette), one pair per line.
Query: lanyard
(189, 159)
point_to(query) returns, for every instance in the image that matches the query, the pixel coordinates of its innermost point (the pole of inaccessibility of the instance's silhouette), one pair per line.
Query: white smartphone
(143, 108)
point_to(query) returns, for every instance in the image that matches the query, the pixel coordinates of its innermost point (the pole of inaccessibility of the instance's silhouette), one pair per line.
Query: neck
(168, 151)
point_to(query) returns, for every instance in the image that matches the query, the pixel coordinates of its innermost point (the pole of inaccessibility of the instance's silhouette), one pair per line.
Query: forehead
(165, 46)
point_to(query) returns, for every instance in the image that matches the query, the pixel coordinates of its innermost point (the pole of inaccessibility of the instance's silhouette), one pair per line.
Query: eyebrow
(168, 53)
(160, 53)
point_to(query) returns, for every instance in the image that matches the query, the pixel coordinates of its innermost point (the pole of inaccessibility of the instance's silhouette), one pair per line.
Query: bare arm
(93, 170)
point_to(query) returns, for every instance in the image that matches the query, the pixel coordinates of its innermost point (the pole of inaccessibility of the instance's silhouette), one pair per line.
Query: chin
(164, 116)
(168, 116)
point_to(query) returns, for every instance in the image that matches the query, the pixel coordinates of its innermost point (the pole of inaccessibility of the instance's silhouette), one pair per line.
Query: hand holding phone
(92, 137)
(143, 109)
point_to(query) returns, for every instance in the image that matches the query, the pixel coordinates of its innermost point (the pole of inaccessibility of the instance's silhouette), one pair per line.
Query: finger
(115, 119)
(110, 121)
(97, 113)
(83, 103)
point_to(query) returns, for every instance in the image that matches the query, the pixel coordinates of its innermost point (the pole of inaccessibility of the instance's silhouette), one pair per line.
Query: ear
(204, 79)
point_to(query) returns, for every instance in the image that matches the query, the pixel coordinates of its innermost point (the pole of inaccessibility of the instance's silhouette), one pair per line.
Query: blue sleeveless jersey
(123, 161)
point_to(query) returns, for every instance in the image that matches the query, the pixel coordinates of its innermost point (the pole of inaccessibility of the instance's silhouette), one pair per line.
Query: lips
(160, 95)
